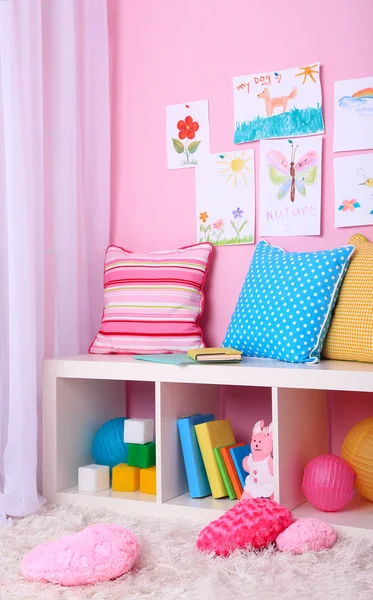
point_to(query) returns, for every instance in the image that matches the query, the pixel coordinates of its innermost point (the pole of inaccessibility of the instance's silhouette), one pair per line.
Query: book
(238, 453)
(231, 469)
(215, 355)
(195, 469)
(213, 435)
(168, 359)
(224, 473)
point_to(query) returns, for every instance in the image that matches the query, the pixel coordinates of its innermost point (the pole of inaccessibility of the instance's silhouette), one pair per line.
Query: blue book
(238, 454)
(195, 469)
(169, 359)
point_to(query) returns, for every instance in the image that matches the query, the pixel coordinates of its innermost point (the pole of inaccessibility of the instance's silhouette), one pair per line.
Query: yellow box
(148, 483)
(125, 478)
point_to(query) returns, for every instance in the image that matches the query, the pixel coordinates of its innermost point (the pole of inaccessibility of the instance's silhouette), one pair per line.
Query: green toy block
(141, 455)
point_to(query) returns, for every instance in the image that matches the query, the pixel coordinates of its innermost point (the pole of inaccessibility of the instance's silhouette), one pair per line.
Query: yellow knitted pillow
(350, 336)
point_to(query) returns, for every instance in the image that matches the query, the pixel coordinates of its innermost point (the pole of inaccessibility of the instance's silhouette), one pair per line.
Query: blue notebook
(194, 467)
(238, 454)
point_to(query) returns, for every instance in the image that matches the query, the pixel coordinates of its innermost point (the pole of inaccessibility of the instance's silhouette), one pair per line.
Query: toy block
(125, 478)
(93, 478)
(141, 455)
(138, 431)
(148, 481)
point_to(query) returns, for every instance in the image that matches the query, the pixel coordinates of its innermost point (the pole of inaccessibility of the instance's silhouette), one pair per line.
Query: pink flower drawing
(349, 205)
(219, 224)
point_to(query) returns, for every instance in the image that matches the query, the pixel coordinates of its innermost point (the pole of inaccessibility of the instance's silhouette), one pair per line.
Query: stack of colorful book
(212, 458)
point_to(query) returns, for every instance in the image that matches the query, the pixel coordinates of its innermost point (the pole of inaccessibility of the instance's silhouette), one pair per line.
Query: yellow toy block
(125, 478)
(148, 481)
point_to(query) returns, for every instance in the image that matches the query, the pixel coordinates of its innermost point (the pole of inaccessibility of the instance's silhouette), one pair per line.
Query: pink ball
(328, 482)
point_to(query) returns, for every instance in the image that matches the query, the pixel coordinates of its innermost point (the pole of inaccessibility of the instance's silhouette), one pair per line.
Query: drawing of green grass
(297, 121)
(246, 239)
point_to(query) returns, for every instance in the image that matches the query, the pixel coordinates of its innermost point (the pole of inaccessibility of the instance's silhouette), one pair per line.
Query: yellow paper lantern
(357, 450)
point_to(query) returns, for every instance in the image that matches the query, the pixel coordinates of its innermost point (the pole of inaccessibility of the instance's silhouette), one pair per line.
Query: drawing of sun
(236, 167)
(307, 72)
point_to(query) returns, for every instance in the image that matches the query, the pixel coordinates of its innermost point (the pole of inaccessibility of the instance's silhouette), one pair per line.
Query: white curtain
(54, 211)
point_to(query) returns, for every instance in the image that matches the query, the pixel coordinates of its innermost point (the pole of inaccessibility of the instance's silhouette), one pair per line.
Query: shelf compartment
(73, 412)
(174, 401)
(134, 503)
(355, 519)
(177, 400)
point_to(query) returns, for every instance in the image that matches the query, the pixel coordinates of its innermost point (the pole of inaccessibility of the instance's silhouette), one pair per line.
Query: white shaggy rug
(170, 567)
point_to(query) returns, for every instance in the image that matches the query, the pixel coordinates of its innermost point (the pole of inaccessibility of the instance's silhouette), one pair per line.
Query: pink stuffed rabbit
(259, 464)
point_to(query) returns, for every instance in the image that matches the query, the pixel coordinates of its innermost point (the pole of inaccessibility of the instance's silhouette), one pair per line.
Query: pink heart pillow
(252, 523)
(97, 553)
(305, 535)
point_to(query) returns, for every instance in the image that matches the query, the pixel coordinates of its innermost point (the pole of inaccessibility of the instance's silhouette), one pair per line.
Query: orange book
(228, 461)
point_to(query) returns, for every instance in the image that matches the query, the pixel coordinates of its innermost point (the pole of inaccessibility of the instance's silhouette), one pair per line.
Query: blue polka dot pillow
(285, 305)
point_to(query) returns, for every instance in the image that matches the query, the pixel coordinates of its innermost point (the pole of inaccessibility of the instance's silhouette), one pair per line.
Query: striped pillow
(153, 302)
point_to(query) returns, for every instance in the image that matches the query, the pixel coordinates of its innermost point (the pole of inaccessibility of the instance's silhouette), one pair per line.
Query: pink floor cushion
(306, 535)
(98, 553)
(253, 523)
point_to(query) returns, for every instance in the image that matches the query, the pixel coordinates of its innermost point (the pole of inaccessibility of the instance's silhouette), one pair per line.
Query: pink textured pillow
(305, 535)
(252, 523)
(153, 302)
(98, 553)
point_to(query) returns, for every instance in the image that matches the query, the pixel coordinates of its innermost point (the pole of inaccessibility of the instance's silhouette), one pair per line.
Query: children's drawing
(358, 101)
(235, 166)
(290, 187)
(272, 103)
(353, 185)
(278, 104)
(188, 135)
(351, 205)
(368, 181)
(205, 228)
(218, 229)
(310, 72)
(353, 114)
(225, 193)
(259, 464)
(239, 223)
(288, 176)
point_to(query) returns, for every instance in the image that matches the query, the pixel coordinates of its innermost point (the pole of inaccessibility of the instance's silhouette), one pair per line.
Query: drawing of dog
(272, 103)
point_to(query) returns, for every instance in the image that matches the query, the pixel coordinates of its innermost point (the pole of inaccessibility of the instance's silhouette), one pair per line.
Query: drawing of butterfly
(289, 177)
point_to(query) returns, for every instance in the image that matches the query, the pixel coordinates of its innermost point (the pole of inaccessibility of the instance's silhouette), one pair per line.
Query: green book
(169, 359)
(224, 473)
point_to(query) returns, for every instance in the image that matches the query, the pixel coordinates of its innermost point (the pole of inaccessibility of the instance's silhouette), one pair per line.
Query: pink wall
(168, 52)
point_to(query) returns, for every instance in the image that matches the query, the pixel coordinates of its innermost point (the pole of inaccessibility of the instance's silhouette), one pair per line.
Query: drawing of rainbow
(362, 94)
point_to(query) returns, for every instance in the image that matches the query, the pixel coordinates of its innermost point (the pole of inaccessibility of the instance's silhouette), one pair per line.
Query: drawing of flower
(203, 216)
(186, 131)
(238, 214)
(349, 205)
(187, 128)
(218, 226)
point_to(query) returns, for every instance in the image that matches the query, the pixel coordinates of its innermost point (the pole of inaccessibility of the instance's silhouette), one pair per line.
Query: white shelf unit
(83, 392)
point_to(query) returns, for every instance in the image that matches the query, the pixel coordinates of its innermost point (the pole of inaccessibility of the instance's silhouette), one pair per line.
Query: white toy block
(138, 431)
(93, 478)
